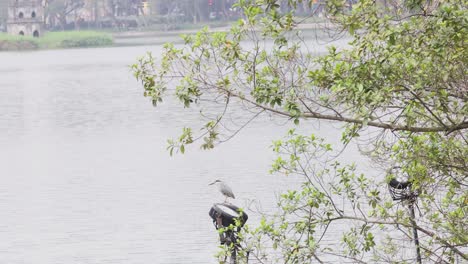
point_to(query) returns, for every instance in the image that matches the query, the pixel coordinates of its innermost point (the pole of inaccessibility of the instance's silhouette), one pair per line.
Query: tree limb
(315, 115)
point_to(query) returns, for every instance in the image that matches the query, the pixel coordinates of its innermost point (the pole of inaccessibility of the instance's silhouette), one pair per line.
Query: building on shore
(25, 17)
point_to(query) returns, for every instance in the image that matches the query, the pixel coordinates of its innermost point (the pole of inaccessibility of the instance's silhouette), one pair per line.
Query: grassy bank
(56, 40)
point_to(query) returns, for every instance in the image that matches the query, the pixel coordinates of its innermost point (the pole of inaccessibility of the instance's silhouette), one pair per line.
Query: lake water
(85, 174)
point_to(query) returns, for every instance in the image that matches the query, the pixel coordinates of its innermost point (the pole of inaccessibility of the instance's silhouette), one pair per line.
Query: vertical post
(234, 255)
(228, 238)
(415, 233)
(230, 241)
(223, 217)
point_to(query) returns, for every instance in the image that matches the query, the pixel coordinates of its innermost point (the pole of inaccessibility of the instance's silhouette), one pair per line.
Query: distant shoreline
(56, 40)
(155, 37)
(86, 39)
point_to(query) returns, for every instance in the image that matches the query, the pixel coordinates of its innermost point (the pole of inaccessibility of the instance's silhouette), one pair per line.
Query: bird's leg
(225, 200)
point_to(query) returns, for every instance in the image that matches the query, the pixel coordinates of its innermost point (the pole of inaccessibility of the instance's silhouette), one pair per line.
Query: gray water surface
(85, 174)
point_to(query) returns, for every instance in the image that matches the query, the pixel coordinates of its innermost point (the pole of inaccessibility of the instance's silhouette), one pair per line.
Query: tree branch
(315, 115)
(427, 232)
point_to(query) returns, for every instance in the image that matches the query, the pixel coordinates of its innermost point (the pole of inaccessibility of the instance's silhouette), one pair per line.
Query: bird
(224, 189)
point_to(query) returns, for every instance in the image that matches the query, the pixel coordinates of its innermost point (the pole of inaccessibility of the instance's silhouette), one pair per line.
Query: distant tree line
(75, 14)
(61, 14)
(197, 10)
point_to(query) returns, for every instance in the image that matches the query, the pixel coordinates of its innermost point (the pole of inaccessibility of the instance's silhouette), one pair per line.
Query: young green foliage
(402, 78)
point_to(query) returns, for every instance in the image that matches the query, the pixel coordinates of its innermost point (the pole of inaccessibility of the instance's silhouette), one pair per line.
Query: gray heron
(224, 189)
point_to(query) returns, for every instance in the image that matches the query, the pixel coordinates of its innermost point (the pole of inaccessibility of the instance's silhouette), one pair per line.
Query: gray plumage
(224, 189)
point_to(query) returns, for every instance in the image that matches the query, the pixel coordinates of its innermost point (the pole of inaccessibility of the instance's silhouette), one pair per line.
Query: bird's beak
(211, 183)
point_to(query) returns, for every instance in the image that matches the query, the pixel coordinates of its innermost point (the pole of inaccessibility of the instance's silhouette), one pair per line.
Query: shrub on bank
(53, 40)
(75, 39)
(11, 42)
(86, 42)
